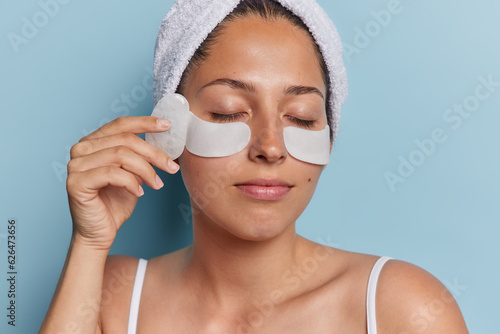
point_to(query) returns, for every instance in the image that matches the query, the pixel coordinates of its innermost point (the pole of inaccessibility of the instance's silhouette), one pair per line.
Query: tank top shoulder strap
(371, 292)
(136, 296)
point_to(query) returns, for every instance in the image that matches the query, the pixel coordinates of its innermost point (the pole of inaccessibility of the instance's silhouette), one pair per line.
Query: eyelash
(226, 117)
(301, 122)
(234, 117)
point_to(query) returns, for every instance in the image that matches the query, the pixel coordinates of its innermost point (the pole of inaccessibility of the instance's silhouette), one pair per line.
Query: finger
(119, 156)
(91, 181)
(136, 125)
(150, 153)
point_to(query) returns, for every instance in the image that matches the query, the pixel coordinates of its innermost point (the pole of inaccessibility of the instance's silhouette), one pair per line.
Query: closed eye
(226, 117)
(301, 122)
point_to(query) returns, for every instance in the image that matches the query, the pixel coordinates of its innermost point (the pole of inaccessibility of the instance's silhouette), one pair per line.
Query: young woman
(247, 270)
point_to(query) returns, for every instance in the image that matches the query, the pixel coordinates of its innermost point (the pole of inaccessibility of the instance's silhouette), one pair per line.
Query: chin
(258, 234)
(248, 221)
(258, 229)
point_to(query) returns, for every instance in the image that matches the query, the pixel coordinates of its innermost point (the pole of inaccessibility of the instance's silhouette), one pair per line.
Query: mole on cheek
(310, 180)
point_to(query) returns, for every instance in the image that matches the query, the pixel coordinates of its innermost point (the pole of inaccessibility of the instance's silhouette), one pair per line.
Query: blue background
(67, 80)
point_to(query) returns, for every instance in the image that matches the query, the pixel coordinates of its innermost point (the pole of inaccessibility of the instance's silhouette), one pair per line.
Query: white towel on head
(189, 22)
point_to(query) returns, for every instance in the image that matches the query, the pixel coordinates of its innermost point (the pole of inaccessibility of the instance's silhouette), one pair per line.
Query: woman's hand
(106, 173)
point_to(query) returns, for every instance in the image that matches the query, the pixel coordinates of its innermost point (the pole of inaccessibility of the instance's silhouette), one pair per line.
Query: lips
(265, 189)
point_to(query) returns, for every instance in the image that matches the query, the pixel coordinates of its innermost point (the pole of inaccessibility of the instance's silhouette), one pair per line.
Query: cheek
(207, 178)
(309, 172)
(194, 176)
(192, 172)
(310, 175)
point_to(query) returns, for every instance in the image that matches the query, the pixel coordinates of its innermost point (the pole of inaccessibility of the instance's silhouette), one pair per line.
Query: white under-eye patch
(306, 145)
(208, 139)
(202, 138)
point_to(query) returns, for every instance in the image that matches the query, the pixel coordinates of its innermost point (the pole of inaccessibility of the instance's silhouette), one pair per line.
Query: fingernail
(141, 191)
(159, 182)
(163, 123)
(173, 166)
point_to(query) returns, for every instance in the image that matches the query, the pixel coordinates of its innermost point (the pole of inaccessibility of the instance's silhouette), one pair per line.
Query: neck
(231, 271)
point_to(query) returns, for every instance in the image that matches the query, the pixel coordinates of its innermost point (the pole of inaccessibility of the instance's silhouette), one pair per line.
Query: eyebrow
(302, 90)
(249, 87)
(235, 84)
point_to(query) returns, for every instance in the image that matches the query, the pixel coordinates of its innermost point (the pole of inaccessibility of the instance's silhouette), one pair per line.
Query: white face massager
(210, 140)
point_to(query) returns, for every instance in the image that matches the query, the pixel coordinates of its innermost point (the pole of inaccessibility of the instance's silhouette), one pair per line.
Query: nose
(267, 144)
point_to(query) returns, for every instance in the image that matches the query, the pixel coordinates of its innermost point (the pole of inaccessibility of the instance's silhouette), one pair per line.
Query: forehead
(262, 50)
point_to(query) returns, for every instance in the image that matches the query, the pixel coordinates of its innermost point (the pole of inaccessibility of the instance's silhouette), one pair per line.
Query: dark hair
(268, 10)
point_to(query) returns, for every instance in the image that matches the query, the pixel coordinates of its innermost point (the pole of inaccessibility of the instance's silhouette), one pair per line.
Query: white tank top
(370, 295)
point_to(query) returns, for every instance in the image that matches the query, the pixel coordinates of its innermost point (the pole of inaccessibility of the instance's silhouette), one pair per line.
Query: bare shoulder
(411, 300)
(118, 284)
(119, 277)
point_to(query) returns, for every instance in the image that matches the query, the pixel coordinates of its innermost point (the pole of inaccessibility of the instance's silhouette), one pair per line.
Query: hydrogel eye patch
(202, 138)
(208, 139)
(306, 145)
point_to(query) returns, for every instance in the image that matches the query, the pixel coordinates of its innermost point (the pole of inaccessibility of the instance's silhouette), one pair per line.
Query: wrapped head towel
(189, 22)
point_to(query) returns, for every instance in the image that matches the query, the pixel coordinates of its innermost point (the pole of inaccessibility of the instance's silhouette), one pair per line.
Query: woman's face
(267, 75)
